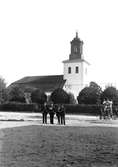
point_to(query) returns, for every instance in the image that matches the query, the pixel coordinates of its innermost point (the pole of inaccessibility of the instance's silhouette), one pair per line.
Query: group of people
(59, 110)
(52, 110)
(107, 109)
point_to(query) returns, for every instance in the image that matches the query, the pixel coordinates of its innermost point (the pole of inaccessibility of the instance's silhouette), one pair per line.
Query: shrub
(15, 94)
(110, 93)
(38, 96)
(90, 94)
(3, 93)
(59, 96)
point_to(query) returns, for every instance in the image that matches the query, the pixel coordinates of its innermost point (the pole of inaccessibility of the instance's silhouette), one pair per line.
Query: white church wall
(73, 78)
(74, 81)
(86, 78)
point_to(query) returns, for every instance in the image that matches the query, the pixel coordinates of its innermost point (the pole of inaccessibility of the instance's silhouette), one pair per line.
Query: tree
(90, 94)
(72, 99)
(110, 93)
(16, 94)
(3, 92)
(38, 96)
(59, 96)
(96, 86)
(27, 96)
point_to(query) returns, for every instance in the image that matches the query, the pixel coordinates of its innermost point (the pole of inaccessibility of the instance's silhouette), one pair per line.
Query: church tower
(75, 68)
(76, 48)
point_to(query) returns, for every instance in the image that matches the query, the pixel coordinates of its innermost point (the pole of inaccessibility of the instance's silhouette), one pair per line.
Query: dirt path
(26, 119)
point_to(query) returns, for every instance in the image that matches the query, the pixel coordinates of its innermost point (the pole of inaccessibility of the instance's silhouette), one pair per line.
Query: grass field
(59, 146)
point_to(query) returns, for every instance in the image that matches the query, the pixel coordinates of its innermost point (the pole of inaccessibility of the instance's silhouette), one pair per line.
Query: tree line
(92, 94)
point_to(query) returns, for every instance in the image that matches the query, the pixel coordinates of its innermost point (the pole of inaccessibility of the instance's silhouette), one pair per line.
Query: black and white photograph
(58, 83)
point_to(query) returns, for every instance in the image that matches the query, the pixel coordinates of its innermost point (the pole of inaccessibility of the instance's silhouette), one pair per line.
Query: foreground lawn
(59, 146)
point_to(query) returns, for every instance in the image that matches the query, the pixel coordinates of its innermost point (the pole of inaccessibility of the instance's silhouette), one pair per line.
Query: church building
(73, 80)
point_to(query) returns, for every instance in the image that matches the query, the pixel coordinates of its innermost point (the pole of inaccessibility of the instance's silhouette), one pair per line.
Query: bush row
(94, 110)
(19, 107)
(82, 109)
(70, 108)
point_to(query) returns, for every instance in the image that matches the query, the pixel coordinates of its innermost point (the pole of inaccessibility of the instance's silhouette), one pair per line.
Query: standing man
(104, 110)
(44, 113)
(62, 114)
(108, 108)
(51, 113)
(57, 111)
(111, 108)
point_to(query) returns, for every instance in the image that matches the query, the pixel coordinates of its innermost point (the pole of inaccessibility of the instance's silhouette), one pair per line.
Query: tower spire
(76, 34)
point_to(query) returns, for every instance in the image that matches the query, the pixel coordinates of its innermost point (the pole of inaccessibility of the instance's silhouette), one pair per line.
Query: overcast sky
(35, 37)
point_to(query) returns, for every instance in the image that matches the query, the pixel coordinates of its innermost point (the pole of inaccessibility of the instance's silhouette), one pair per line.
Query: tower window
(77, 69)
(75, 49)
(69, 70)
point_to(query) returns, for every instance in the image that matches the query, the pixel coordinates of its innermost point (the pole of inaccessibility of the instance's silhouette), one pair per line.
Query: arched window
(76, 69)
(69, 70)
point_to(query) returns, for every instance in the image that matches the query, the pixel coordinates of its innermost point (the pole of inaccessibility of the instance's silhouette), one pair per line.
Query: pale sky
(35, 37)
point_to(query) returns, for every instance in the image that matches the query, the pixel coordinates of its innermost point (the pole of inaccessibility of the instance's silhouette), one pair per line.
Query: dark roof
(76, 60)
(45, 83)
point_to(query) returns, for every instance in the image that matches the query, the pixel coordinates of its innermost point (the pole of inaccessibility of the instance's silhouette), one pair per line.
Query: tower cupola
(76, 48)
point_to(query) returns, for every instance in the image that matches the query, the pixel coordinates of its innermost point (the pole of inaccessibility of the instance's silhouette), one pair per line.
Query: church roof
(76, 60)
(45, 83)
